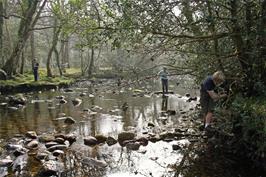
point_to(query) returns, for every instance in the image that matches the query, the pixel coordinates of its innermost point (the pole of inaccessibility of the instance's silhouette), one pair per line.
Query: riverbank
(26, 83)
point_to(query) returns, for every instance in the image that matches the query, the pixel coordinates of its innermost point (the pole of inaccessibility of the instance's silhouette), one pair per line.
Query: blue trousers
(35, 73)
(165, 85)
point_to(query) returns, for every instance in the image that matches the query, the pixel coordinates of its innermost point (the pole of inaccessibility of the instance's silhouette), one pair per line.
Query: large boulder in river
(3, 75)
(125, 136)
(90, 141)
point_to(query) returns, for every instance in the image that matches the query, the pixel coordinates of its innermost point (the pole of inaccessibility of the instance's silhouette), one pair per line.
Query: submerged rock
(51, 168)
(76, 102)
(176, 147)
(5, 162)
(82, 94)
(143, 141)
(46, 138)
(124, 136)
(150, 124)
(69, 120)
(63, 101)
(101, 138)
(111, 141)
(90, 141)
(134, 146)
(17, 99)
(61, 97)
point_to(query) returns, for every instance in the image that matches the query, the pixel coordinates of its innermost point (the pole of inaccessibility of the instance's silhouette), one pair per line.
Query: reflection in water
(164, 102)
(42, 109)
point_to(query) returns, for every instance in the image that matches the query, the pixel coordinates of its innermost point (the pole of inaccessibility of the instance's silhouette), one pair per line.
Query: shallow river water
(107, 117)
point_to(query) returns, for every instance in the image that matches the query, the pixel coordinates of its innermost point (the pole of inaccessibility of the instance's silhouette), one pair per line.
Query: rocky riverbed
(98, 131)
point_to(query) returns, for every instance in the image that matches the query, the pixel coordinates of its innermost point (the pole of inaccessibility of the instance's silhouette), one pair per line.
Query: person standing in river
(35, 69)
(163, 74)
(208, 96)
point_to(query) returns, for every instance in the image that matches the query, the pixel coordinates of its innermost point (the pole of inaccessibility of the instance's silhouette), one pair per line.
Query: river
(107, 111)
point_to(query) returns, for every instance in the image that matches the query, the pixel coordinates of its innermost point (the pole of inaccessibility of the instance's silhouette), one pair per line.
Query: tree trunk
(32, 48)
(262, 42)
(67, 52)
(1, 31)
(21, 71)
(215, 41)
(91, 63)
(54, 43)
(58, 61)
(243, 55)
(81, 62)
(26, 24)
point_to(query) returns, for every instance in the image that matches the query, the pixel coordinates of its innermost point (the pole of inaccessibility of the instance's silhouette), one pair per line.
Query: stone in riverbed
(6, 162)
(31, 134)
(58, 153)
(18, 99)
(82, 94)
(150, 124)
(76, 102)
(101, 138)
(71, 138)
(176, 147)
(51, 168)
(33, 144)
(69, 120)
(57, 147)
(50, 144)
(11, 147)
(124, 136)
(143, 141)
(60, 140)
(19, 152)
(63, 101)
(3, 104)
(154, 139)
(111, 141)
(12, 108)
(46, 138)
(90, 141)
(61, 97)
(134, 146)
(42, 155)
(167, 135)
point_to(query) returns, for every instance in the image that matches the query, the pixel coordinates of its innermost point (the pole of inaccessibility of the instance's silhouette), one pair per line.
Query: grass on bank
(28, 78)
